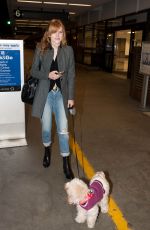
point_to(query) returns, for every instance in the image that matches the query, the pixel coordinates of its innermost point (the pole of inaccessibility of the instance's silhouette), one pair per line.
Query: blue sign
(10, 73)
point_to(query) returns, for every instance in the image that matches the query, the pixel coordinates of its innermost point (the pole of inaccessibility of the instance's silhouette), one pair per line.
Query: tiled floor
(115, 137)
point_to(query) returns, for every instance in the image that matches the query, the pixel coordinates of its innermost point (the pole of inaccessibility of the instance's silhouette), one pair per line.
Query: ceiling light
(56, 3)
(27, 1)
(23, 26)
(72, 13)
(75, 4)
(25, 23)
(31, 21)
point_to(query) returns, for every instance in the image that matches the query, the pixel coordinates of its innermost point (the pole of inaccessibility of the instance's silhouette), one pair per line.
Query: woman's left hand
(70, 103)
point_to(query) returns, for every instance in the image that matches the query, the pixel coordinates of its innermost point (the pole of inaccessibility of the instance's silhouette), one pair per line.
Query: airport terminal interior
(110, 131)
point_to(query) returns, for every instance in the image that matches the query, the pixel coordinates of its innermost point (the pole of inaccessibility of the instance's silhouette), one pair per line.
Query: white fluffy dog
(88, 199)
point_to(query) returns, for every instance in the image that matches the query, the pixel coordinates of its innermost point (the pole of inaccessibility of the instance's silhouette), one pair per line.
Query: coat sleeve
(71, 74)
(37, 70)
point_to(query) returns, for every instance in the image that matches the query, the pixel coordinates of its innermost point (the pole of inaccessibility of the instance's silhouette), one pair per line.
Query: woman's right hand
(53, 75)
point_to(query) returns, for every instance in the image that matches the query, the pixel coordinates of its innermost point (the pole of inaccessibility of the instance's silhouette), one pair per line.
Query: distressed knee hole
(64, 131)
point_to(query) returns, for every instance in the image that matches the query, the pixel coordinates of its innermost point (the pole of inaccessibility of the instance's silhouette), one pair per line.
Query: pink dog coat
(95, 194)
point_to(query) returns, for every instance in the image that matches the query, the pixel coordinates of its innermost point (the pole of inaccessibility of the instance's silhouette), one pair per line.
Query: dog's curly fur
(76, 190)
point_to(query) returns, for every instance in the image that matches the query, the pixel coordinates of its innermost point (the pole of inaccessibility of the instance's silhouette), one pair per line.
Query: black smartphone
(60, 73)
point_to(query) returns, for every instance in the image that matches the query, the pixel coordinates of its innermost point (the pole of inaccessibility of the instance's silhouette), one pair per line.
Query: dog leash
(74, 140)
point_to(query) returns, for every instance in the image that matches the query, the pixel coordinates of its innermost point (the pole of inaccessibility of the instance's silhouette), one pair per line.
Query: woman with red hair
(55, 92)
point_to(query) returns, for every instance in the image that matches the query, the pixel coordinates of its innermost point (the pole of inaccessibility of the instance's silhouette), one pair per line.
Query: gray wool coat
(66, 63)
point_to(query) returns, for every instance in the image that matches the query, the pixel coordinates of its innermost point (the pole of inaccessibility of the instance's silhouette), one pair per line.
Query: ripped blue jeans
(54, 104)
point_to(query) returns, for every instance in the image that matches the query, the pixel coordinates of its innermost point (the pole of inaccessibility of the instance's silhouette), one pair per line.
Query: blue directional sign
(10, 75)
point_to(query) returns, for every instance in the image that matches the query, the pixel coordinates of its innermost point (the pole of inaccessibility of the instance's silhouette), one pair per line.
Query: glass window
(98, 40)
(80, 37)
(121, 51)
(109, 42)
(88, 39)
(138, 38)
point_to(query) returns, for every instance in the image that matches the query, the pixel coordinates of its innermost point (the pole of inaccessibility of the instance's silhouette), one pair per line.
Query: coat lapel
(48, 57)
(61, 59)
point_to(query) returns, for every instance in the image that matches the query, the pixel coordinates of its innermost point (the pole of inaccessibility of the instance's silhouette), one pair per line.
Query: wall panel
(126, 7)
(108, 10)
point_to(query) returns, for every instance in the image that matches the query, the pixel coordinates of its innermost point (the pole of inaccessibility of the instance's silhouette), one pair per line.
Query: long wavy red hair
(54, 26)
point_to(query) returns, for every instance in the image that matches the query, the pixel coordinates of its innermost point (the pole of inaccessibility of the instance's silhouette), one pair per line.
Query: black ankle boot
(67, 168)
(47, 157)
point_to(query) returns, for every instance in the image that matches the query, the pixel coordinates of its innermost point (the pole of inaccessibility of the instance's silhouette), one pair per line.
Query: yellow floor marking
(114, 211)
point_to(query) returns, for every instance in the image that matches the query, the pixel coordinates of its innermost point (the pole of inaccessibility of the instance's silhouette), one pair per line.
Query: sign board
(145, 69)
(145, 58)
(9, 68)
(12, 115)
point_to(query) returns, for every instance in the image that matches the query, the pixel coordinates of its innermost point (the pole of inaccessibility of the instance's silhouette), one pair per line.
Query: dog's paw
(80, 219)
(104, 209)
(91, 225)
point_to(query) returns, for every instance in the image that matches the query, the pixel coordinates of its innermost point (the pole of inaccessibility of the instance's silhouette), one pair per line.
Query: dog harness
(95, 194)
